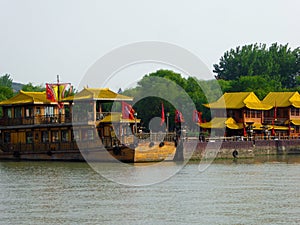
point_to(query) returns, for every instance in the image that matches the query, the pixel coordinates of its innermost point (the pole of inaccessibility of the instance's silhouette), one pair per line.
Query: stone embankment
(241, 149)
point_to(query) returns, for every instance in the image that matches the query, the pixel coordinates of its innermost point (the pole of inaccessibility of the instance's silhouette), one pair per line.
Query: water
(242, 192)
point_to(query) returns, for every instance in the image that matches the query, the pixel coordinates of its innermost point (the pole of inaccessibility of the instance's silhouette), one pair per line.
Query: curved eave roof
(283, 99)
(98, 94)
(24, 97)
(222, 122)
(238, 100)
(117, 118)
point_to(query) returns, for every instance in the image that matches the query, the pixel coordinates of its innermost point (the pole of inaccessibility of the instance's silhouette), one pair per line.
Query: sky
(42, 39)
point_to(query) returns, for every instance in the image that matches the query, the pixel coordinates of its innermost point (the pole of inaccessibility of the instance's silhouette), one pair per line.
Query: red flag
(127, 111)
(197, 116)
(274, 119)
(162, 114)
(244, 130)
(50, 94)
(178, 117)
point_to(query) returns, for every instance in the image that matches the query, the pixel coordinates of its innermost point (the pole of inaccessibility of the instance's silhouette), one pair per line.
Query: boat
(50, 126)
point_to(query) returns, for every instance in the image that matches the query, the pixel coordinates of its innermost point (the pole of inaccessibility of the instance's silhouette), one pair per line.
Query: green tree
(183, 94)
(5, 87)
(31, 88)
(278, 63)
(6, 81)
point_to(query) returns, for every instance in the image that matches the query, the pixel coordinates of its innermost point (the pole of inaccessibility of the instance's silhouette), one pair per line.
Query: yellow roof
(27, 98)
(295, 122)
(222, 122)
(117, 118)
(283, 99)
(98, 94)
(238, 100)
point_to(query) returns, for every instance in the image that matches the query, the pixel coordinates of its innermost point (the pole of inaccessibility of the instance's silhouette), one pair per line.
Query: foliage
(6, 81)
(5, 87)
(5, 93)
(277, 63)
(171, 89)
(31, 88)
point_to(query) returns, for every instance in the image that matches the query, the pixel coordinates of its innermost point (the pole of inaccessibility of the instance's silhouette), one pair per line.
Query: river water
(264, 191)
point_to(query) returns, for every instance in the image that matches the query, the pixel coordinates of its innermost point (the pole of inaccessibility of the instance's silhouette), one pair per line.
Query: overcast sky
(40, 39)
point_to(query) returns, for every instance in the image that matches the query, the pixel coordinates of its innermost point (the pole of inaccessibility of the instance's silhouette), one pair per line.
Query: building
(238, 113)
(285, 114)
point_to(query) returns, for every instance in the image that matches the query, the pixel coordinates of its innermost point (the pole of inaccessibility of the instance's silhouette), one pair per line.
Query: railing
(38, 147)
(39, 119)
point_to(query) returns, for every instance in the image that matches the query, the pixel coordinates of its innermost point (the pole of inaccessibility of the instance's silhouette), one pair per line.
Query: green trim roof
(238, 100)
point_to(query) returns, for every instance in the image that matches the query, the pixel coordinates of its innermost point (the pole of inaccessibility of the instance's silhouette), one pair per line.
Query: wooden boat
(77, 128)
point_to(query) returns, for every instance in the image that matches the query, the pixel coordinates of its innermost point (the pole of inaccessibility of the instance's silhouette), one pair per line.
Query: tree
(278, 63)
(181, 93)
(5, 87)
(6, 80)
(31, 88)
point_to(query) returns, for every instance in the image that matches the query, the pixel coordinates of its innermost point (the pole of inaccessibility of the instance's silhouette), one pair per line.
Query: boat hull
(143, 152)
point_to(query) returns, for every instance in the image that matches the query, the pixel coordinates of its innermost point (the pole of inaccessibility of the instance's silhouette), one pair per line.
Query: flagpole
(58, 99)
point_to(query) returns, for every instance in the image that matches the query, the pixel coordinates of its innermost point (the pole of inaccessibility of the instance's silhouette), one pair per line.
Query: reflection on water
(260, 191)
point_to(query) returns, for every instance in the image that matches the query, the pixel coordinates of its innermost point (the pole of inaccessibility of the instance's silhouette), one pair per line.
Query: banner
(178, 117)
(127, 111)
(162, 114)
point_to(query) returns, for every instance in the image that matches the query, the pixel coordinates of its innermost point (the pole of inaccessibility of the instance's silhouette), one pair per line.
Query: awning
(117, 118)
(258, 106)
(280, 127)
(222, 122)
(257, 126)
(296, 122)
(296, 104)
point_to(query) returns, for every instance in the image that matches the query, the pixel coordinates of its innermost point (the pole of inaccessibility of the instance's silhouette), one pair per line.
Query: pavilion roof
(238, 100)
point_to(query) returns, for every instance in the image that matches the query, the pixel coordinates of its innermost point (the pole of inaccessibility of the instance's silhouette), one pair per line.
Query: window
(76, 135)
(258, 114)
(29, 137)
(90, 134)
(248, 113)
(253, 113)
(29, 112)
(18, 112)
(293, 112)
(64, 135)
(54, 136)
(38, 111)
(45, 136)
(9, 113)
(6, 137)
(49, 111)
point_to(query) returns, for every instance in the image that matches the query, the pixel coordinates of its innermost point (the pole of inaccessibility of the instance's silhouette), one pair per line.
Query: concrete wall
(244, 149)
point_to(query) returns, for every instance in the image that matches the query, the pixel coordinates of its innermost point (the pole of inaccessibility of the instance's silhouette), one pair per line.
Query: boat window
(54, 136)
(29, 137)
(29, 112)
(18, 112)
(45, 136)
(49, 111)
(6, 137)
(9, 113)
(90, 134)
(38, 110)
(64, 135)
(76, 135)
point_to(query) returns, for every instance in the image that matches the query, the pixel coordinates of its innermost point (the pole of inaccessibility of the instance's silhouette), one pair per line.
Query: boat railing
(38, 119)
(155, 137)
